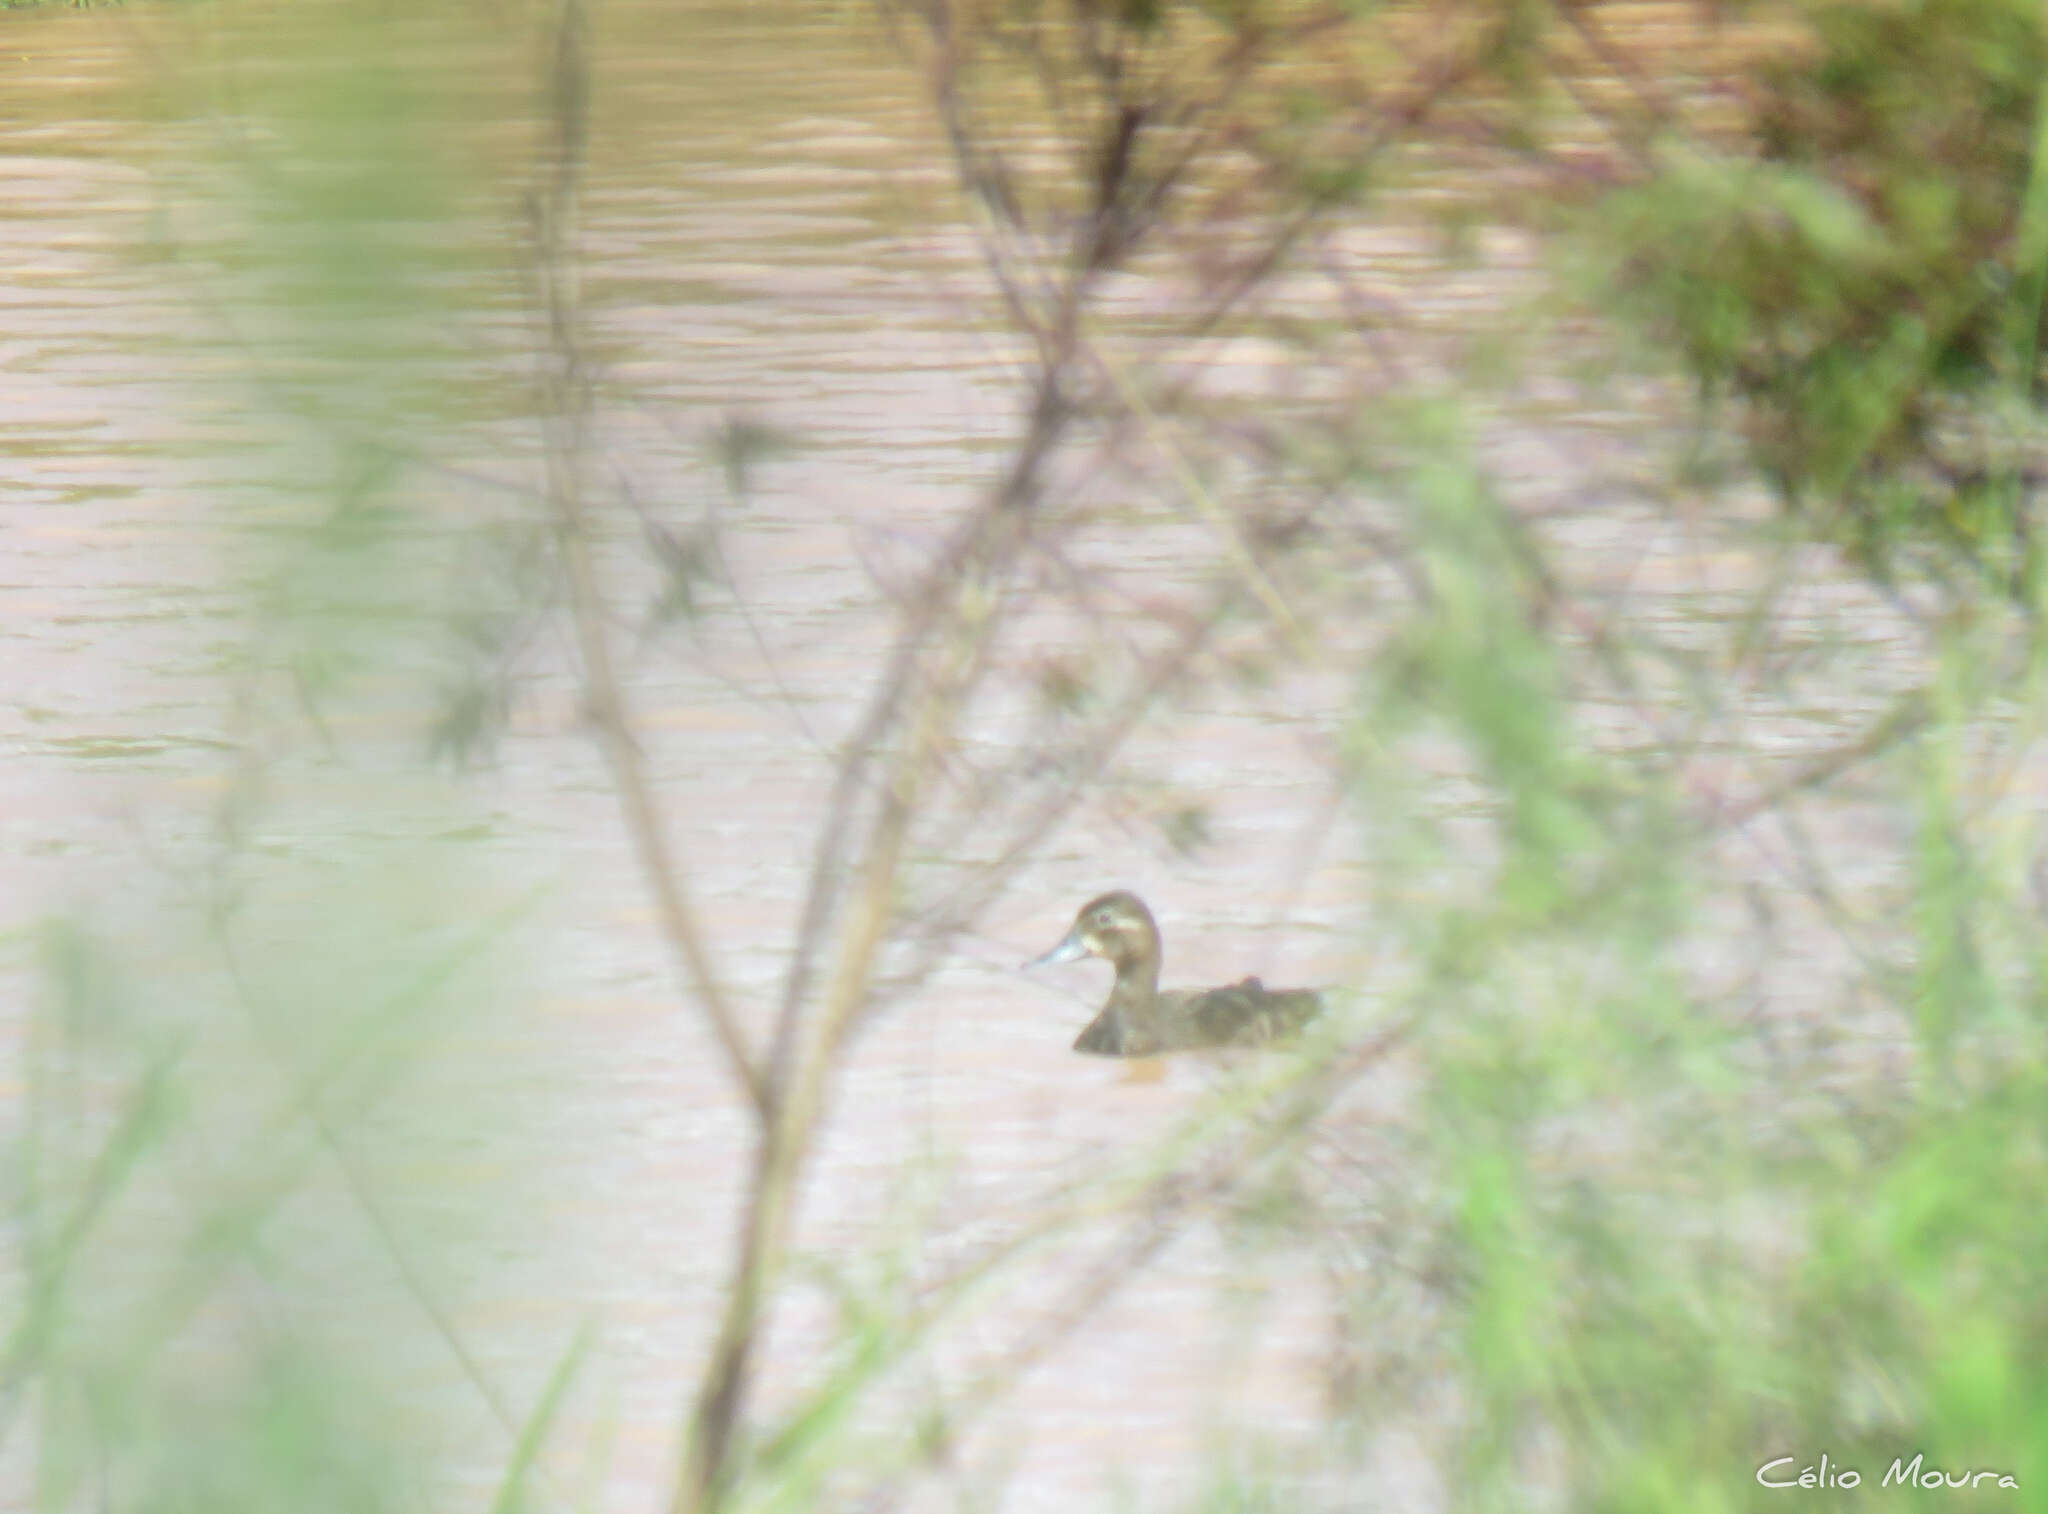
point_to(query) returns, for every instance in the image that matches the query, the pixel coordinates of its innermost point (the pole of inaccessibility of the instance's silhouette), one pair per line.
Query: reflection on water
(761, 239)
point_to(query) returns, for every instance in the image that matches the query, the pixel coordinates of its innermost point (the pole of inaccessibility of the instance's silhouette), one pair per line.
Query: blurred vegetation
(1642, 1222)
(1862, 268)
(1668, 1242)
(255, 1170)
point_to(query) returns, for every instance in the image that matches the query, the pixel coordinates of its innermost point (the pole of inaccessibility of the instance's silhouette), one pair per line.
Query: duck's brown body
(1243, 1014)
(1141, 1021)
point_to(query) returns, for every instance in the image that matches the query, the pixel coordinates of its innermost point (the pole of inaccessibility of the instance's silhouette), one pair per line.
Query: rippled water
(761, 239)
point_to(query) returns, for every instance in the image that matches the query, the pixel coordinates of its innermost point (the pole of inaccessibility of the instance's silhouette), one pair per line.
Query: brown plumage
(1139, 1020)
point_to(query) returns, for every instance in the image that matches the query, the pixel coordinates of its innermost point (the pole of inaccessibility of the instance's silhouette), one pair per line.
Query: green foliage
(1669, 1261)
(1672, 1246)
(1856, 272)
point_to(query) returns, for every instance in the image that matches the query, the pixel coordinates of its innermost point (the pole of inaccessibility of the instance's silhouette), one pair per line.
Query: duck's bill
(1069, 950)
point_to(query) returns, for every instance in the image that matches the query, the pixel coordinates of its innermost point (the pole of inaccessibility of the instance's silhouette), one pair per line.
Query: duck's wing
(1247, 1014)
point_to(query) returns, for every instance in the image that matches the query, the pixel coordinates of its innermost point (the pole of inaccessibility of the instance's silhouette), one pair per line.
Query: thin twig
(567, 398)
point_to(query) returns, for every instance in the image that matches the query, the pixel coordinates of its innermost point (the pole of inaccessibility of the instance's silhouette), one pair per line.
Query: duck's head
(1116, 927)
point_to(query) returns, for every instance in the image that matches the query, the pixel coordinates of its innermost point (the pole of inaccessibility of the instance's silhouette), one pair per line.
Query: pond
(770, 234)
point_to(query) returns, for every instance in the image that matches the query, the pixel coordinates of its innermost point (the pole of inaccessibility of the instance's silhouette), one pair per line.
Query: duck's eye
(1100, 919)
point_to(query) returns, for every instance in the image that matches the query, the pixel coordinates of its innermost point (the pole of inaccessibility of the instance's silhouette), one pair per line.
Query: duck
(1139, 1020)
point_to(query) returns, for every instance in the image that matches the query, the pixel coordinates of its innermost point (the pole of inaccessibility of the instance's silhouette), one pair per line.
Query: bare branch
(567, 404)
